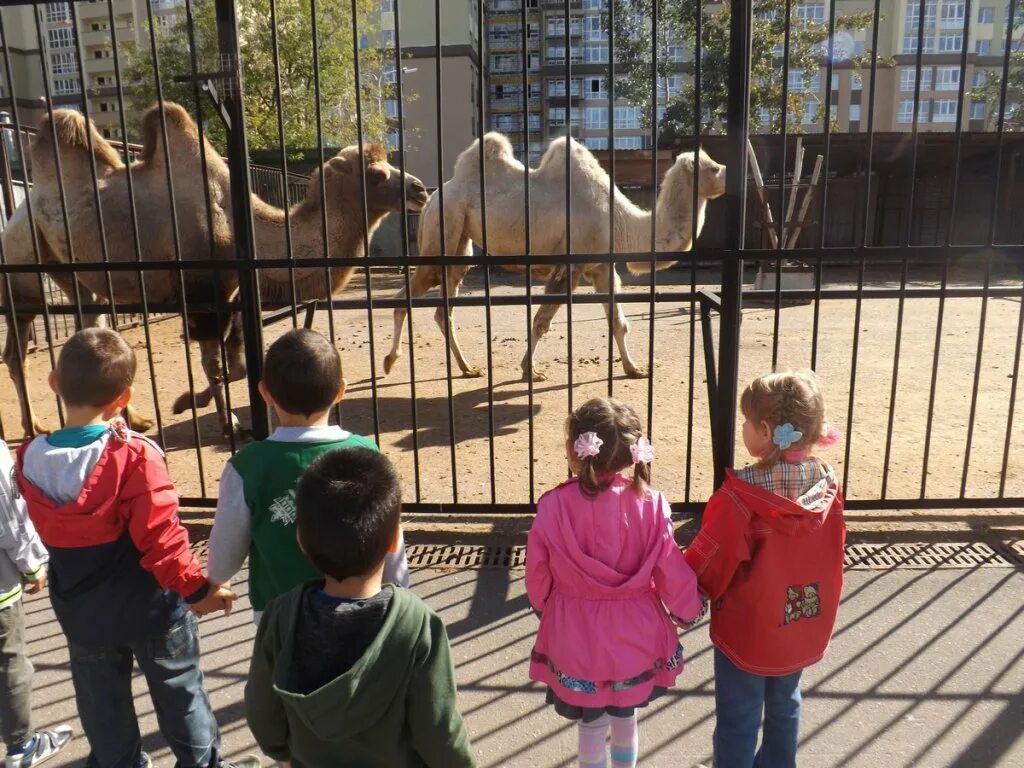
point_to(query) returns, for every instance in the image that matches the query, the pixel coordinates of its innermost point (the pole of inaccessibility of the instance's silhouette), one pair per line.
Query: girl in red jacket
(769, 556)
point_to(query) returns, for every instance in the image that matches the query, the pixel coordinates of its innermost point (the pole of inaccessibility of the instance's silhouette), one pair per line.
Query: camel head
(711, 177)
(385, 192)
(75, 137)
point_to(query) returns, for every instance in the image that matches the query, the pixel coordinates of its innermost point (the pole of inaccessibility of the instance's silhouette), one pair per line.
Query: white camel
(589, 208)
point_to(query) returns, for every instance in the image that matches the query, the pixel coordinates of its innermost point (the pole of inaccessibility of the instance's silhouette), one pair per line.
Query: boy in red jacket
(769, 556)
(122, 577)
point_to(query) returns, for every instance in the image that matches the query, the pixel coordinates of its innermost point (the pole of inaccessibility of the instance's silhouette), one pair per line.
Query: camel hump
(181, 128)
(73, 132)
(497, 146)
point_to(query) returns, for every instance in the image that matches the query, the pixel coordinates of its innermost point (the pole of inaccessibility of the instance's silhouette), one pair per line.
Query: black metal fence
(895, 267)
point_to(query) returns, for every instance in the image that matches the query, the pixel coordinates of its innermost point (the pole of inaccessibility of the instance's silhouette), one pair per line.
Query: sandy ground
(683, 467)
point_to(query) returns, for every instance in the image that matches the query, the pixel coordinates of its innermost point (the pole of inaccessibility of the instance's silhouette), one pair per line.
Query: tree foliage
(991, 91)
(677, 21)
(299, 73)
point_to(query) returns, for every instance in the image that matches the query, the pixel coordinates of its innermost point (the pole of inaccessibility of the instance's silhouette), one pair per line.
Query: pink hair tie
(830, 436)
(642, 451)
(588, 444)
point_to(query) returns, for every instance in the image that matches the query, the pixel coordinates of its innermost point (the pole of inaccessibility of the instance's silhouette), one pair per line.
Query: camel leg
(455, 277)
(209, 350)
(423, 279)
(235, 353)
(545, 314)
(15, 356)
(620, 325)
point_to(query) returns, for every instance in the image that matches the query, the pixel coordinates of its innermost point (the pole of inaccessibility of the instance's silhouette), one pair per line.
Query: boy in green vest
(256, 508)
(346, 670)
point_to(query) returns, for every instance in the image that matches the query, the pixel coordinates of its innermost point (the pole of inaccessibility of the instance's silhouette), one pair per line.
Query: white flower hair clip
(588, 444)
(642, 451)
(785, 435)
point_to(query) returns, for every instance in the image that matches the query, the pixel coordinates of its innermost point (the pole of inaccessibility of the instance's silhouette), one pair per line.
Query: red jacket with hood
(773, 571)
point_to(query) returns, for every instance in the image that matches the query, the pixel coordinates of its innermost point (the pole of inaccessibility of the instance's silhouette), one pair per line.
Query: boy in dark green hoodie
(347, 671)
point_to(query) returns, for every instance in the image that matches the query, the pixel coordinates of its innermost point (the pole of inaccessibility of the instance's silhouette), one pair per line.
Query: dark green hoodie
(395, 708)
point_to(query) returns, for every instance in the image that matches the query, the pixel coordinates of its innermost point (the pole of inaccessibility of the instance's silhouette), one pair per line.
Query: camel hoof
(637, 373)
(389, 363)
(535, 375)
(183, 403)
(472, 373)
(140, 423)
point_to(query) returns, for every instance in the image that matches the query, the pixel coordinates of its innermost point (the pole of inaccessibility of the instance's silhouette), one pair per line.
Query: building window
(555, 54)
(980, 78)
(595, 88)
(811, 13)
(854, 113)
(674, 86)
(944, 111)
(556, 116)
(627, 117)
(910, 44)
(592, 29)
(951, 42)
(856, 82)
(56, 12)
(595, 54)
(908, 79)
(675, 54)
(595, 5)
(947, 78)
(596, 142)
(64, 86)
(61, 38)
(905, 114)
(953, 14)
(913, 15)
(983, 47)
(986, 15)
(810, 112)
(978, 110)
(835, 81)
(63, 63)
(629, 142)
(596, 118)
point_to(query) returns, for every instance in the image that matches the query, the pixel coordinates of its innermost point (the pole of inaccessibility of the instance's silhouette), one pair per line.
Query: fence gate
(881, 251)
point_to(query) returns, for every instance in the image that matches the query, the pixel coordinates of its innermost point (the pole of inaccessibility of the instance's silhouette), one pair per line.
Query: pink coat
(602, 572)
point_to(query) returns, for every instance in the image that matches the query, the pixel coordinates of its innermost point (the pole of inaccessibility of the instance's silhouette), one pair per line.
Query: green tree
(677, 21)
(990, 91)
(297, 72)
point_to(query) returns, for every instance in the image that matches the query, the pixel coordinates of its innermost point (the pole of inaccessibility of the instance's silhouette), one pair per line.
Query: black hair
(302, 372)
(349, 504)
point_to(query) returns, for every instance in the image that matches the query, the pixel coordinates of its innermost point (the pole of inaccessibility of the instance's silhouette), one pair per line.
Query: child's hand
(37, 585)
(218, 598)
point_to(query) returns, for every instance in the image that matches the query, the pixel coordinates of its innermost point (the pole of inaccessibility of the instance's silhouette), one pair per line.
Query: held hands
(36, 585)
(218, 598)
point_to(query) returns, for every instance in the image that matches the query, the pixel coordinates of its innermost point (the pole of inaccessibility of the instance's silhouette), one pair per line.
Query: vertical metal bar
(205, 174)
(482, 94)
(366, 222)
(444, 250)
(241, 204)
(6, 184)
(283, 144)
(781, 238)
(859, 302)
(819, 262)
(1013, 395)
(697, 73)
(724, 425)
(612, 267)
(526, 218)
(653, 283)
(177, 243)
(1011, 12)
(568, 198)
(405, 254)
(136, 240)
(58, 167)
(950, 234)
(905, 268)
(47, 326)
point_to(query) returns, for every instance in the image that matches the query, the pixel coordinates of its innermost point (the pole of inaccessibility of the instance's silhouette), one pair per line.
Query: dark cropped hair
(619, 428)
(348, 504)
(302, 372)
(95, 367)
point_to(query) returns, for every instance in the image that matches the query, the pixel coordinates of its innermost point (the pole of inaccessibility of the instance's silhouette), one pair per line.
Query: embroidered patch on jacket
(802, 601)
(282, 509)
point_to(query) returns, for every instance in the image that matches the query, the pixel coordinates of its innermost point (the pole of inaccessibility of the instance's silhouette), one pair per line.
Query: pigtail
(641, 477)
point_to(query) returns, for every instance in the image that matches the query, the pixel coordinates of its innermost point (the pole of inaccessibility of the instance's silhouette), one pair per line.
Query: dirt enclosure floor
(683, 467)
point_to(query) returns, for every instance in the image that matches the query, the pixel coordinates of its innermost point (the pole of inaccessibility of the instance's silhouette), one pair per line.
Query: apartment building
(72, 55)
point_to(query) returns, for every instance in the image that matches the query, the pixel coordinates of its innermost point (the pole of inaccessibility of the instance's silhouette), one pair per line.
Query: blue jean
(740, 700)
(102, 677)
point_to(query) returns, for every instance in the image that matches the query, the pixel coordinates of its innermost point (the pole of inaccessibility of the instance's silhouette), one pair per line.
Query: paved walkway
(926, 670)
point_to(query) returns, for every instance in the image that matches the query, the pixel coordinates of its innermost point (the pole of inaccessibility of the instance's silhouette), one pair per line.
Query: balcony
(99, 66)
(102, 37)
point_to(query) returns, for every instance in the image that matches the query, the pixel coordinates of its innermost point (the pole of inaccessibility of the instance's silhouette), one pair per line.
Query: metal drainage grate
(934, 555)
(465, 556)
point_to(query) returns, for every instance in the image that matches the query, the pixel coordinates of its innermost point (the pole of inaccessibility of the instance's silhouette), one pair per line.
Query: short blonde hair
(783, 397)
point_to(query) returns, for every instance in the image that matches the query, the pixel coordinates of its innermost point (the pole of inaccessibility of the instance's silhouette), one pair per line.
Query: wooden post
(806, 204)
(798, 169)
(755, 169)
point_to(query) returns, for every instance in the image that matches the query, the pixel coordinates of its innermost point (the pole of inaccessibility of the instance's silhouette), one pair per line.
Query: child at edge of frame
(772, 535)
(346, 669)
(256, 513)
(124, 584)
(602, 562)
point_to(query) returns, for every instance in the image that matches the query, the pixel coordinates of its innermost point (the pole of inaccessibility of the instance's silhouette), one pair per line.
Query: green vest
(270, 470)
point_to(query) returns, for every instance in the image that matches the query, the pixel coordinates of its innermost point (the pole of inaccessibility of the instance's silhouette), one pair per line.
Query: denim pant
(15, 679)
(170, 663)
(740, 699)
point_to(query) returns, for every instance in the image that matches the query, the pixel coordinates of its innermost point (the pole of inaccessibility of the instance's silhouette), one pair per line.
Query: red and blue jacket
(120, 564)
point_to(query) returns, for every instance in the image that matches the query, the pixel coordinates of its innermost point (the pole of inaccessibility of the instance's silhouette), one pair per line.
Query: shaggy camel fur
(149, 181)
(506, 226)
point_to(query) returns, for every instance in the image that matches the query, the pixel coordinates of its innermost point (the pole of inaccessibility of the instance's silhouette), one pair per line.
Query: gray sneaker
(43, 746)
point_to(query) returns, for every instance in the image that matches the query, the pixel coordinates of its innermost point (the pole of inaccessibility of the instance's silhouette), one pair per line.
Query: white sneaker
(43, 746)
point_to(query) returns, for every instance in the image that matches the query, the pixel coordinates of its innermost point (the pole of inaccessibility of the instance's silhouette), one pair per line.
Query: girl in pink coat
(604, 572)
